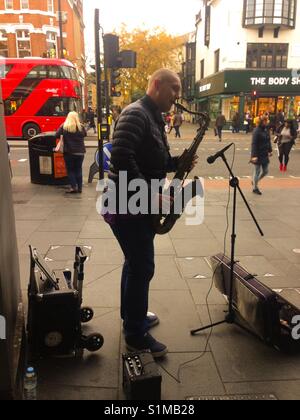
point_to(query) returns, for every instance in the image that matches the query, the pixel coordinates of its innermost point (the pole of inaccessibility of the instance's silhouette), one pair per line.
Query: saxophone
(163, 224)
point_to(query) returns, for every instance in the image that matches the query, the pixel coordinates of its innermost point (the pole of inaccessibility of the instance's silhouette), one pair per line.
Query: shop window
(269, 12)
(230, 107)
(267, 56)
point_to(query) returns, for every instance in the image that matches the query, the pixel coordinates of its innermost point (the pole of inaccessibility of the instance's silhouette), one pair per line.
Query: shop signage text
(205, 88)
(275, 81)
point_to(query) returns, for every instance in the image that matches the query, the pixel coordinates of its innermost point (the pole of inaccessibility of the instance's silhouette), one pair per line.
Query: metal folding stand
(234, 183)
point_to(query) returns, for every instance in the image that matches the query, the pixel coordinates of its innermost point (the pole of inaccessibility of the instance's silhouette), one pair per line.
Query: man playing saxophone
(141, 150)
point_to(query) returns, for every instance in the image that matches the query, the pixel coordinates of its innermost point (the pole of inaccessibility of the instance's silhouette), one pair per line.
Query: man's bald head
(164, 88)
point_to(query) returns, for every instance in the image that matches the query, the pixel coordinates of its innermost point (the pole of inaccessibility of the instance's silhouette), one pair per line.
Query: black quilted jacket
(140, 145)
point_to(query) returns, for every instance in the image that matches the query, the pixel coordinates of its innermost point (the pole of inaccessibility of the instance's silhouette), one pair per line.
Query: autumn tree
(155, 49)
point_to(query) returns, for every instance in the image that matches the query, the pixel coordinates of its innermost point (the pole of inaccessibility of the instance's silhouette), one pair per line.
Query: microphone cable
(203, 353)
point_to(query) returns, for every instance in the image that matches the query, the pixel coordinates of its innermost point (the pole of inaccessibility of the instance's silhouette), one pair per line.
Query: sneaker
(147, 342)
(152, 320)
(257, 191)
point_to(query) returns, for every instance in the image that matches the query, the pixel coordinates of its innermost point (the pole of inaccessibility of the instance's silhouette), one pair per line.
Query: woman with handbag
(72, 134)
(285, 140)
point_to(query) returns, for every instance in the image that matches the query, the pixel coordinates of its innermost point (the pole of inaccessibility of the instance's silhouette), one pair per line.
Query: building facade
(248, 56)
(31, 28)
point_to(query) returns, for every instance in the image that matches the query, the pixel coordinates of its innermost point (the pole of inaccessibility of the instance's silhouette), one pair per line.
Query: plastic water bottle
(30, 384)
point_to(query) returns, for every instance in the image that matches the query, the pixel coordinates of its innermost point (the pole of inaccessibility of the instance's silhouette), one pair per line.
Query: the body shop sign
(269, 82)
(275, 81)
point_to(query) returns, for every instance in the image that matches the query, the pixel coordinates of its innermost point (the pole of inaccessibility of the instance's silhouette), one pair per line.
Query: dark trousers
(136, 238)
(74, 169)
(219, 132)
(177, 131)
(284, 152)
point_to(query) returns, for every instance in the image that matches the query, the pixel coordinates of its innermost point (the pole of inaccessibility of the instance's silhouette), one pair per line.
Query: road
(209, 146)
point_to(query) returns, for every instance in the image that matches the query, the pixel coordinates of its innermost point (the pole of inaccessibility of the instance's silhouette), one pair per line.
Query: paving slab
(105, 291)
(194, 267)
(103, 251)
(26, 212)
(43, 241)
(167, 275)
(63, 224)
(198, 377)
(178, 316)
(196, 247)
(95, 229)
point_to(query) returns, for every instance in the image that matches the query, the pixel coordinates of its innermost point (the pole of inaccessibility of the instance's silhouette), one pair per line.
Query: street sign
(106, 156)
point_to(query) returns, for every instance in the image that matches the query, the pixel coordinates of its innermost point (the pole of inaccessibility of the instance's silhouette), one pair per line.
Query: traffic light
(254, 95)
(114, 82)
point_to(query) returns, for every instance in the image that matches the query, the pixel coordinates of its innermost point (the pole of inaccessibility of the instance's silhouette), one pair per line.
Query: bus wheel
(31, 130)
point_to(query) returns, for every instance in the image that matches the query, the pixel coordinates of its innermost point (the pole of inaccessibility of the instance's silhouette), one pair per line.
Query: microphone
(213, 158)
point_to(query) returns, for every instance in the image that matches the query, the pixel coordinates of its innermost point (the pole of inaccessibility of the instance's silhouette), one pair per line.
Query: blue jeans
(136, 238)
(260, 171)
(74, 169)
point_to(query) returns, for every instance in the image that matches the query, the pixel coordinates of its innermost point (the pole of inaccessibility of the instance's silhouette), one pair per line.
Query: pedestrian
(172, 116)
(261, 153)
(220, 124)
(91, 120)
(286, 137)
(178, 121)
(141, 150)
(248, 122)
(73, 133)
(236, 123)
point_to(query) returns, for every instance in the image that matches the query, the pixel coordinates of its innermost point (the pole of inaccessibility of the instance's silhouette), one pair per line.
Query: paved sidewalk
(234, 363)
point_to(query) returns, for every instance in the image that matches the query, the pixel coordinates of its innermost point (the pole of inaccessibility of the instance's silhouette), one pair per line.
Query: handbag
(60, 145)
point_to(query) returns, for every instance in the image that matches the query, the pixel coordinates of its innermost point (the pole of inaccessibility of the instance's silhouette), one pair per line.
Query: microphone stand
(235, 184)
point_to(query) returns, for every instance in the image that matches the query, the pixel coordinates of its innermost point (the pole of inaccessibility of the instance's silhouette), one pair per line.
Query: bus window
(54, 72)
(4, 69)
(69, 73)
(59, 107)
(39, 72)
(54, 107)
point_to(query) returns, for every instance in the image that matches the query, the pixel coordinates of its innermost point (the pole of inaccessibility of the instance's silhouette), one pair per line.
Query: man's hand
(254, 160)
(270, 154)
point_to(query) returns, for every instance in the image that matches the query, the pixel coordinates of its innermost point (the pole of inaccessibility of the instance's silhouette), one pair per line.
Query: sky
(177, 17)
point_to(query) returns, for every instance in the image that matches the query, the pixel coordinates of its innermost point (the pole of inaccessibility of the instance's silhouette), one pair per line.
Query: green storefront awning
(268, 82)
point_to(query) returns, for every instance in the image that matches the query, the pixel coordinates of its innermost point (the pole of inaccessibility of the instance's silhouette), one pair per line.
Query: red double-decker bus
(38, 94)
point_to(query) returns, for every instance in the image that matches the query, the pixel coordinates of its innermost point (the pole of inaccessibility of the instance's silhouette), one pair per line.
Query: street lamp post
(60, 30)
(99, 96)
